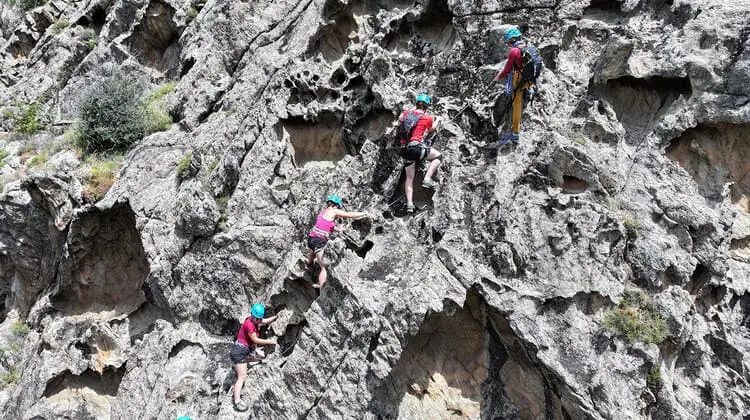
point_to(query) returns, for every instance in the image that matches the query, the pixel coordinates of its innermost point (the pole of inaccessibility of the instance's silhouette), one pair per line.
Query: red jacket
(425, 123)
(514, 63)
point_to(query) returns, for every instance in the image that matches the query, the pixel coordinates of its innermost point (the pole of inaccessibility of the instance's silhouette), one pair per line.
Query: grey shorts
(414, 152)
(316, 244)
(239, 353)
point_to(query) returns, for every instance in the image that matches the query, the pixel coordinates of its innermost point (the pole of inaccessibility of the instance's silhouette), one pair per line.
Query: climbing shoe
(240, 406)
(509, 138)
(410, 208)
(428, 183)
(256, 356)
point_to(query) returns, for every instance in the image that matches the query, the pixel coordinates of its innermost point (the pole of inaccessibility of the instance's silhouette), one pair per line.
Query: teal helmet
(423, 97)
(512, 32)
(258, 310)
(183, 418)
(335, 199)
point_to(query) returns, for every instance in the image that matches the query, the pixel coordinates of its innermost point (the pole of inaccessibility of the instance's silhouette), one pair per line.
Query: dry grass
(101, 177)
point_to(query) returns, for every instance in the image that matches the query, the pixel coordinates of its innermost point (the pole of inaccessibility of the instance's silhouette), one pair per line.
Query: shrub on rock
(111, 116)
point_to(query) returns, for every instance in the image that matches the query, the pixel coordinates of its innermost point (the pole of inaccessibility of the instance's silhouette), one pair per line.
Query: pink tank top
(322, 227)
(243, 336)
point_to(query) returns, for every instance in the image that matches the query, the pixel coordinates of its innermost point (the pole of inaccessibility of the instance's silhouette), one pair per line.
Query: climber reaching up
(245, 349)
(324, 225)
(523, 67)
(414, 125)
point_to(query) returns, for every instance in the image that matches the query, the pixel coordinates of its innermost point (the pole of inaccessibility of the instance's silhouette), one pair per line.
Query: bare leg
(409, 183)
(434, 163)
(323, 276)
(241, 369)
(310, 258)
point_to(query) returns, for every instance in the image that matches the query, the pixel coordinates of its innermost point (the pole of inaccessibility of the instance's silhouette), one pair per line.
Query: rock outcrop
(632, 173)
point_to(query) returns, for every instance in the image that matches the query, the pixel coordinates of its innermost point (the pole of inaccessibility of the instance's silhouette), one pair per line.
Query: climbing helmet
(335, 199)
(258, 310)
(423, 97)
(512, 32)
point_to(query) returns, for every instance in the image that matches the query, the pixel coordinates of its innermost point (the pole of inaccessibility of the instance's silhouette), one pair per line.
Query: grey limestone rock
(490, 302)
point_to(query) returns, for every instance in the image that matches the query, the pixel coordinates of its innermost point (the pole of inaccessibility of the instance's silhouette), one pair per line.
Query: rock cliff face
(632, 177)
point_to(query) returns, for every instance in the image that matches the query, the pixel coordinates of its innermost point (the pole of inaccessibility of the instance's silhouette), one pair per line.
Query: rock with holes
(194, 367)
(602, 126)
(488, 302)
(676, 305)
(197, 211)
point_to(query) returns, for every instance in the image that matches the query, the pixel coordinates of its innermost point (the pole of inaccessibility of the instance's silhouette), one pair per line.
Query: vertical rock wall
(489, 303)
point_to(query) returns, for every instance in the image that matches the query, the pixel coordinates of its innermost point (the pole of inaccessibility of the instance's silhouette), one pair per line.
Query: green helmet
(423, 97)
(258, 310)
(512, 32)
(335, 199)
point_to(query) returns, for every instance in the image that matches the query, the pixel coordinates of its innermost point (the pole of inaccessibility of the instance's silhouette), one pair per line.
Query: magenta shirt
(248, 327)
(323, 227)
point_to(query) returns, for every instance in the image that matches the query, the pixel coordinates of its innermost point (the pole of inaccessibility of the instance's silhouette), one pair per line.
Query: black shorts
(414, 152)
(239, 353)
(316, 244)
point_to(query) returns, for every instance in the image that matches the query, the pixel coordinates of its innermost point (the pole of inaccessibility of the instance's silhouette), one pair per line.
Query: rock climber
(245, 349)
(523, 77)
(414, 126)
(324, 225)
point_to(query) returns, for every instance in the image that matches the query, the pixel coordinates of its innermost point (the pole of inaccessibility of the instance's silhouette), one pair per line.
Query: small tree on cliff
(111, 116)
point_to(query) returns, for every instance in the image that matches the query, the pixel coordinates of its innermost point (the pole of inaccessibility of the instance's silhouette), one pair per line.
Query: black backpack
(407, 125)
(532, 63)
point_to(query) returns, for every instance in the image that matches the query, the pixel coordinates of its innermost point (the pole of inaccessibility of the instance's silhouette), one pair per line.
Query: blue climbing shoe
(509, 138)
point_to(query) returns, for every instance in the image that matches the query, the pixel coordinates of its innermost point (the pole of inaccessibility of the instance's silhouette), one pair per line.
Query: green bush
(653, 379)
(632, 225)
(10, 378)
(20, 329)
(111, 115)
(89, 37)
(184, 165)
(155, 113)
(9, 359)
(38, 160)
(191, 14)
(3, 154)
(59, 24)
(156, 117)
(636, 319)
(163, 91)
(29, 118)
(72, 136)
